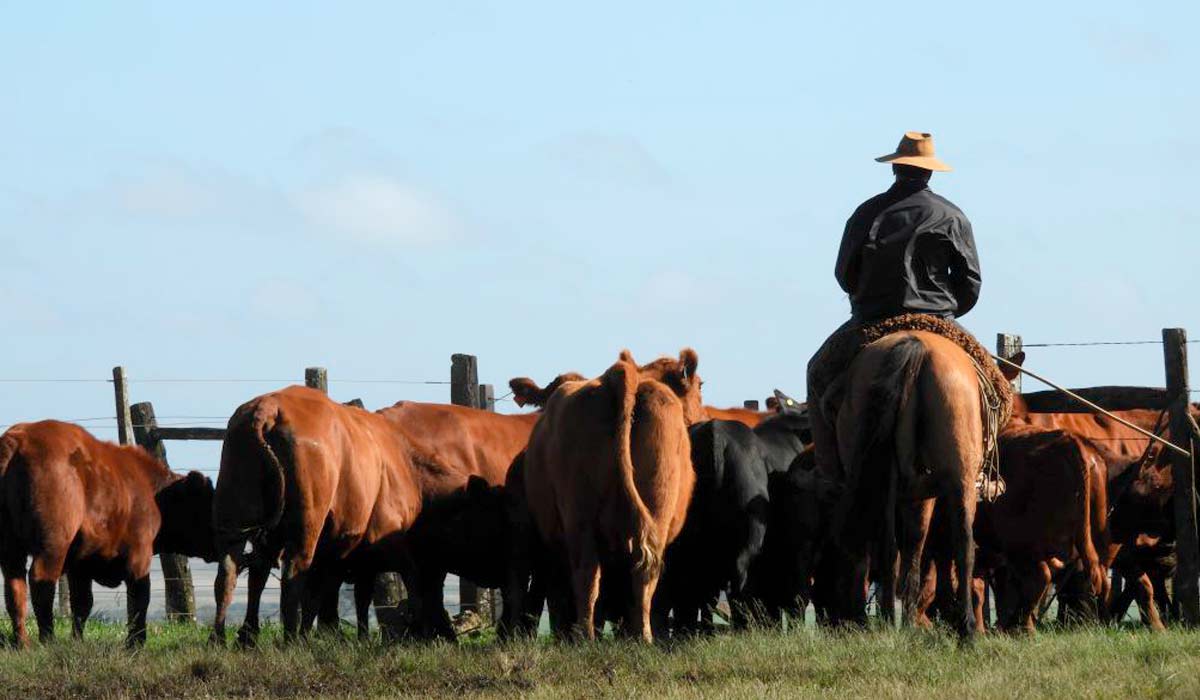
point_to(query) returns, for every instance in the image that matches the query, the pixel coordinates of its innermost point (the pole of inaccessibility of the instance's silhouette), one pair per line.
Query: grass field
(178, 663)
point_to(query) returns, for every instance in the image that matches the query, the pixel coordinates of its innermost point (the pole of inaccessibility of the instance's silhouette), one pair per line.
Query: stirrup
(989, 489)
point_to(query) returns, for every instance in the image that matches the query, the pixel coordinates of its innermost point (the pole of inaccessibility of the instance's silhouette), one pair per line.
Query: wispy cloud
(609, 157)
(367, 206)
(1129, 46)
(378, 209)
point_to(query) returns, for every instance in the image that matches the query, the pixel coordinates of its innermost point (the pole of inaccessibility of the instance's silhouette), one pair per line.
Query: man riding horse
(902, 399)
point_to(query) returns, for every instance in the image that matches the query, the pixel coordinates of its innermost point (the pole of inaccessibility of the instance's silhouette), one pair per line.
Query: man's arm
(850, 254)
(964, 269)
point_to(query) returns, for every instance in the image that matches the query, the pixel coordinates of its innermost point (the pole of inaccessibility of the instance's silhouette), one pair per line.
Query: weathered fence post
(177, 574)
(1187, 571)
(317, 378)
(751, 404)
(464, 391)
(1007, 347)
(491, 600)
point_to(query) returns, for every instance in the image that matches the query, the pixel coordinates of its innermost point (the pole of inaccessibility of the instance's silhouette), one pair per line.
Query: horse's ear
(1010, 373)
(626, 356)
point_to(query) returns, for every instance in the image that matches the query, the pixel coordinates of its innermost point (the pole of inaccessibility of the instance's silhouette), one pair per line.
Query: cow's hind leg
(645, 580)
(16, 594)
(81, 601)
(223, 590)
(43, 584)
(585, 584)
(296, 574)
(256, 582)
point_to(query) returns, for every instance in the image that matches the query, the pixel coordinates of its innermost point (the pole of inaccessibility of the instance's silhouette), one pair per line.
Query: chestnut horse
(910, 433)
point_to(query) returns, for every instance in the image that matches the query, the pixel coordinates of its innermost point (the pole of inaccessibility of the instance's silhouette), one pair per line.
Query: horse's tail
(1091, 499)
(888, 397)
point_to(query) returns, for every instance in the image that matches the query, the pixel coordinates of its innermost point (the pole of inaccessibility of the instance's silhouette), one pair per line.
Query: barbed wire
(214, 380)
(1098, 342)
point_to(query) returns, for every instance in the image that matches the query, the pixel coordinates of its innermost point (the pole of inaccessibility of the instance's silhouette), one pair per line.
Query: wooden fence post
(1007, 347)
(177, 574)
(464, 391)
(1187, 571)
(751, 404)
(491, 600)
(317, 378)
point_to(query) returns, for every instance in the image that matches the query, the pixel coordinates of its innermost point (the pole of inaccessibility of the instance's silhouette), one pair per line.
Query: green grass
(177, 662)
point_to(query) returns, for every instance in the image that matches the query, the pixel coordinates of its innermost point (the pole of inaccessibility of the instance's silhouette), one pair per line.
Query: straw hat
(916, 149)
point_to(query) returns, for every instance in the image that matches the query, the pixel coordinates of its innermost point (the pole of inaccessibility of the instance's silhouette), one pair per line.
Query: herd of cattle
(622, 499)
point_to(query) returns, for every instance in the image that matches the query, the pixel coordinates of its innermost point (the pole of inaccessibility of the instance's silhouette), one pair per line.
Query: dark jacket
(908, 250)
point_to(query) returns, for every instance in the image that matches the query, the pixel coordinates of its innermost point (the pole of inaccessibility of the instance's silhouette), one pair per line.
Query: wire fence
(110, 603)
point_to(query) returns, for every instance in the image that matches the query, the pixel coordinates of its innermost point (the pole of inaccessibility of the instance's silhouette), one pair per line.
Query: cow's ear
(1010, 373)
(524, 390)
(626, 356)
(477, 485)
(690, 360)
(785, 403)
(198, 482)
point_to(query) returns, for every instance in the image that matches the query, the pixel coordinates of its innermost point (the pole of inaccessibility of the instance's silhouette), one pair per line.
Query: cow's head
(527, 393)
(186, 508)
(1010, 373)
(680, 376)
(785, 404)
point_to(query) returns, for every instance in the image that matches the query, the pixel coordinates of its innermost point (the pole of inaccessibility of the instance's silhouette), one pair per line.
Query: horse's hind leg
(916, 519)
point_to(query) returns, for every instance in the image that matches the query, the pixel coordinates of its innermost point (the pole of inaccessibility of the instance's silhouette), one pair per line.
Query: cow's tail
(252, 467)
(622, 380)
(888, 398)
(264, 429)
(8, 449)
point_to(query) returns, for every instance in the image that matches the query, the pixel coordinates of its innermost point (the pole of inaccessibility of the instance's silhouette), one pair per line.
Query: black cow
(781, 577)
(727, 522)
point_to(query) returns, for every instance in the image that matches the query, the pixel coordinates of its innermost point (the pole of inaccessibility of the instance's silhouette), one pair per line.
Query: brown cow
(1042, 520)
(331, 487)
(608, 477)
(1140, 496)
(448, 445)
(95, 510)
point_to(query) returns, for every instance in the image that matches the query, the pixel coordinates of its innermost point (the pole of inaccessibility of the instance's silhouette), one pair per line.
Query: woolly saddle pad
(830, 363)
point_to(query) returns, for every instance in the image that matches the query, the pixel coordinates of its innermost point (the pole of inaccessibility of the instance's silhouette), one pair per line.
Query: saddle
(827, 373)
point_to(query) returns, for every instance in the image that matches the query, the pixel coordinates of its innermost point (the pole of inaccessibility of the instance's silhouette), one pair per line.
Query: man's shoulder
(873, 205)
(939, 201)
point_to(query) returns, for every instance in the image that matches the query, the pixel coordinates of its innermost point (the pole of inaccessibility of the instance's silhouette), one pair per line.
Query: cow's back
(452, 443)
(562, 463)
(297, 460)
(60, 484)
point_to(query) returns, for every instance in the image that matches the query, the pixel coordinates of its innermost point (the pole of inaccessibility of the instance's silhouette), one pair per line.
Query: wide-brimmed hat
(916, 149)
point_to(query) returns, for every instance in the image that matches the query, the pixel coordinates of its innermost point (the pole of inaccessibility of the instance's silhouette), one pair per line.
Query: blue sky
(243, 190)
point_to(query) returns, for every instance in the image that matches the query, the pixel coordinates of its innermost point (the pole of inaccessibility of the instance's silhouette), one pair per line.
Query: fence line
(1098, 343)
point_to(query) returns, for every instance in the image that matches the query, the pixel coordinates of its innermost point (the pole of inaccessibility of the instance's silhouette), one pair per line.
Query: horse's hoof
(246, 639)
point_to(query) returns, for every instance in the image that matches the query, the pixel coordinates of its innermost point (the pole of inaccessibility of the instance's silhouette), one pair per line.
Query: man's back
(908, 250)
